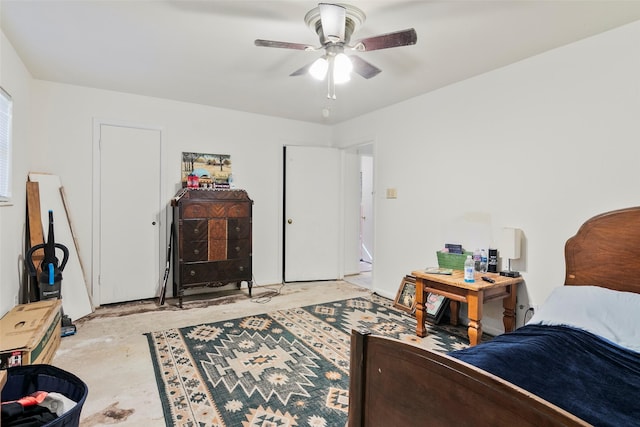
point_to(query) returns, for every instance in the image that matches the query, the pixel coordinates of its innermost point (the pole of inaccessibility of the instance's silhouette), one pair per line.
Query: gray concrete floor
(110, 353)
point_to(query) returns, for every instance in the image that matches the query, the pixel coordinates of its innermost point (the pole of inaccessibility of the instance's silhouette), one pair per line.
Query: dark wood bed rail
(393, 383)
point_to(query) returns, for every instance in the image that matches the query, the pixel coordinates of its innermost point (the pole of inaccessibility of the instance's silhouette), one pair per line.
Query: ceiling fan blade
(384, 41)
(283, 45)
(333, 18)
(364, 68)
(301, 71)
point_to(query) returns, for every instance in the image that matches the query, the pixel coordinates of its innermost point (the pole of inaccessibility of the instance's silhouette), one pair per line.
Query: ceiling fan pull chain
(331, 87)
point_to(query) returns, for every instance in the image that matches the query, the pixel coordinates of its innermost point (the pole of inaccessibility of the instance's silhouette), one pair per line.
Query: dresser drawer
(238, 228)
(194, 230)
(194, 250)
(240, 248)
(216, 271)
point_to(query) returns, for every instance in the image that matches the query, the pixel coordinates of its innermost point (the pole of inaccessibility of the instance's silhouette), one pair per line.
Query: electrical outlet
(392, 193)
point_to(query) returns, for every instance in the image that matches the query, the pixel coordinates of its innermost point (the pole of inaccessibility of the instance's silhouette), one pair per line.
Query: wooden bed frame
(393, 383)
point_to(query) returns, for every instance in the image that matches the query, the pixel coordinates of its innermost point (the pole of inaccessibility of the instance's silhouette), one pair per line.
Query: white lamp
(510, 248)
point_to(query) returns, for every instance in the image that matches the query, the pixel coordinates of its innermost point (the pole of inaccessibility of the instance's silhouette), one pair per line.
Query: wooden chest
(212, 237)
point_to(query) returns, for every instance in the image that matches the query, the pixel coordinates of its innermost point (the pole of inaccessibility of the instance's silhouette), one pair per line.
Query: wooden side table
(474, 294)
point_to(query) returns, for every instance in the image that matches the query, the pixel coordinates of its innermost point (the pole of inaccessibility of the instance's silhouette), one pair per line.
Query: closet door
(129, 266)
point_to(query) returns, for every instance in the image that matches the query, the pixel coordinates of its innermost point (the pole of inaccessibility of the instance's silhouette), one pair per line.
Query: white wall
(542, 145)
(64, 135)
(15, 79)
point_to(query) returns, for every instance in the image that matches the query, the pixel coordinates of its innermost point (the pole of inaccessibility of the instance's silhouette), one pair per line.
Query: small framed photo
(435, 306)
(406, 297)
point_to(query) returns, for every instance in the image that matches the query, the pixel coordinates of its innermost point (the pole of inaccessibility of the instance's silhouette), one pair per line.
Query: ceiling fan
(335, 24)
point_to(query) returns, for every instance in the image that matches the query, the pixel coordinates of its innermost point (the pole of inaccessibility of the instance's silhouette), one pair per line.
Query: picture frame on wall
(406, 296)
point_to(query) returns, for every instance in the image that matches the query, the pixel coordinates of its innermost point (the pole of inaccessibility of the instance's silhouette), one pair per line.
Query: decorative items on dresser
(212, 239)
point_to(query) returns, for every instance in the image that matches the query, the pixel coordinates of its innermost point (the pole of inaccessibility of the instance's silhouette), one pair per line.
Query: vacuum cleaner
(50, 279)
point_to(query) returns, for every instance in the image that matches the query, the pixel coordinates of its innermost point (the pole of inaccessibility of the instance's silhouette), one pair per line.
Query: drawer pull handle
(238, 229)
(241, 268)
(196, 251)
(237, 248)
(192, 273)
(195, 230)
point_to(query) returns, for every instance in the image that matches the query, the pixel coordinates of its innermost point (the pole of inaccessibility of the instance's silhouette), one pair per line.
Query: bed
(575, 363)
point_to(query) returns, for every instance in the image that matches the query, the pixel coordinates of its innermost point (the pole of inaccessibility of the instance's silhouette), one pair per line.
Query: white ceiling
(203, 52)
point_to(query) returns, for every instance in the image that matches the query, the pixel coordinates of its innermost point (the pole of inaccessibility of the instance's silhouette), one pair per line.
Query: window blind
(6, 105)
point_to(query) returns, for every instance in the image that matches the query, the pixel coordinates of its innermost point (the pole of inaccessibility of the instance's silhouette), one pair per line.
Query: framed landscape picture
(212, 170)
(406, 297)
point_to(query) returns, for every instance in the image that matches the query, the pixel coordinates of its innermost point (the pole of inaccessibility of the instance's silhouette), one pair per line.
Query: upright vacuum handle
(29, 258)
(65, 251)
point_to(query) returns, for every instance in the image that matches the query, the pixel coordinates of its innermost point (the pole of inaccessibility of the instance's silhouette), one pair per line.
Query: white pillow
(613, 315)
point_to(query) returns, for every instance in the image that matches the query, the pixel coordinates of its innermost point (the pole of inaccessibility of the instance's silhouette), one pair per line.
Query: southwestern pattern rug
(286, 368)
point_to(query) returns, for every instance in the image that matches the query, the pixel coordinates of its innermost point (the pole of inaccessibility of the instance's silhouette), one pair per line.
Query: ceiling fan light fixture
(318, 69)
(342, 68)
(335, 23)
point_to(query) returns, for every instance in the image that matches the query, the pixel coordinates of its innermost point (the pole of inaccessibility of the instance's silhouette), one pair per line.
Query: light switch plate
(392, 193)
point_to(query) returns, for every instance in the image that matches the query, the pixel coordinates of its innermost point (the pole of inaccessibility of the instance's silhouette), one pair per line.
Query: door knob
(289, 221)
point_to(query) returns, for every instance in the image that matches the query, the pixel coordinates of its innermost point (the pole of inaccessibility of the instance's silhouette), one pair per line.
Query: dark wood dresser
(212, 239)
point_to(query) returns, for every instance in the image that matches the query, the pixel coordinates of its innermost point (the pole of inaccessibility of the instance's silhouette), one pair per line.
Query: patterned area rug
(286, 368)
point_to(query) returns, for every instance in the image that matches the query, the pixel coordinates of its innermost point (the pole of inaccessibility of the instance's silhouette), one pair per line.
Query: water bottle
(476, 259)
(469, 270)
(483, 261)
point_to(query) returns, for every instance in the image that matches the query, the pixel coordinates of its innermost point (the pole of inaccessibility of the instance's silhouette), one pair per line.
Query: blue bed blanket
(571, 368)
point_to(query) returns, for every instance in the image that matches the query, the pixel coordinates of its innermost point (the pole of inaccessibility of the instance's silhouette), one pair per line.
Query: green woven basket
(453, 261)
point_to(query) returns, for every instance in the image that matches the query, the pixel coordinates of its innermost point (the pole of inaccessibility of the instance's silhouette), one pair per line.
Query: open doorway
(365, 220)
(366, 206)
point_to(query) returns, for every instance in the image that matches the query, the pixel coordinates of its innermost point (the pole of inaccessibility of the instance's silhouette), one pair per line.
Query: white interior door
(130, 209)
(312, 244)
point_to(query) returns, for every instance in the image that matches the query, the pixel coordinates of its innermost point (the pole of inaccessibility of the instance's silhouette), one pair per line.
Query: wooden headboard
(605, 252)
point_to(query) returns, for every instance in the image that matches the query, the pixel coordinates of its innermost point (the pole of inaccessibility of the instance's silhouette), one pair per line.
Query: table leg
(454, 311)
(421, 314)
(509, 305)
(475, 301)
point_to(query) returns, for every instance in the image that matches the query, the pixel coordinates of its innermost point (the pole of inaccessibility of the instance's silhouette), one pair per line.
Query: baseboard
(384, 294)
